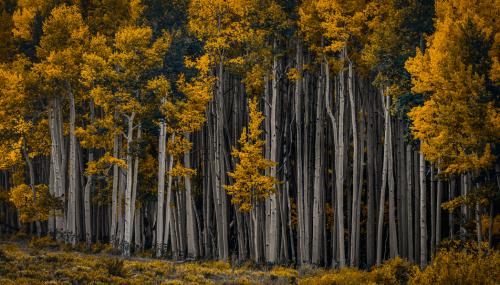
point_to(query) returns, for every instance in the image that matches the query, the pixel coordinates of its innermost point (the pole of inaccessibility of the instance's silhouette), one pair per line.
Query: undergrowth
(44, 261)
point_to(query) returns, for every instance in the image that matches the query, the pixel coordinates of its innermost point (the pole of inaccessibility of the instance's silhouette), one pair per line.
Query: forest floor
(44, 261)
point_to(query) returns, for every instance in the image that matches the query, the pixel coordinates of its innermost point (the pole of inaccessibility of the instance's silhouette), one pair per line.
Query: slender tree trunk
(355, 167)
(56, 153)
(490, 226)
(385, 163)
(439, 195)
(433, 212)
(479, 226)
(492, 212)
(318, 206)
(114, 195)
(370, 222)
(273, 200)
(416, 179)
(52, 218)
(220, 193)
(128, 190)
(340, 167)
(31, 172)
(161, 189)
(135, 183)
(88, 190)
(191, 228)
(423, 213)
(335, 132)
(362, 137)
(301, 243)
(409, 180)
(168, 214)
(451, 196)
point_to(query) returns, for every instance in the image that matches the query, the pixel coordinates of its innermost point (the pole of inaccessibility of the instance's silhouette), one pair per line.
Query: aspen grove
(334, 133)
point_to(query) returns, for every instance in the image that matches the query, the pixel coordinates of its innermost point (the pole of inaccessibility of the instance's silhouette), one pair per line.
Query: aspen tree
(452, 71)
(218, 24)
(60, 48)
(337, 23)
(22, 141)
(458, 124)
(133, 57)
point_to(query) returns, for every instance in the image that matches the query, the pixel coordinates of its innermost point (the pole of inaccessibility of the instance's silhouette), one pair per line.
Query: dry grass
(42, 261)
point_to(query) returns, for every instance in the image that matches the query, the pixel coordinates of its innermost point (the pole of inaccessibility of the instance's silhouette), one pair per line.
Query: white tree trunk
(114, 193)
(128, 190)
(318, 206)
(168, 214)
(56, 162)
(393, 238)
(301, 242)
(87, 192)
(191, 227)
(134, 190)
(385, 163)
(273, 234)
(355, 167)
(161, 189)
(340, 167)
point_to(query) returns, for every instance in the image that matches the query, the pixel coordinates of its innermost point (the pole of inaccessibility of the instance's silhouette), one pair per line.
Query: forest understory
(34, 261)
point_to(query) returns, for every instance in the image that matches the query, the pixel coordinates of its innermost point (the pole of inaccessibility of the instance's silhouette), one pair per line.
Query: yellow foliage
(250, 185)
(395, 271)
(461, 267)
(179, 171)
(480, 195)
(281, 271)
(104, 164)
(31, 209)
(43, 242)
(486, 225)
(459, 123)
(342, 277)
(39, 267)
(329, 25)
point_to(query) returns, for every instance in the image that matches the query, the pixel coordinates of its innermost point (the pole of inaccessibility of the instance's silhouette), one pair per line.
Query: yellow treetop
(329, 25)
(459, 124)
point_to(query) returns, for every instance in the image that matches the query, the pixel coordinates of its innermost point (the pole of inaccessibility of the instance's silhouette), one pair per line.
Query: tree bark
(56, 154)
(128, 190)
(355, 167)
(409, 206)
(161, 190)
(273, 234)
(439, 195)
(318, 205)
(191, 227)
(340, 167)
(385, 163)
(423, 213)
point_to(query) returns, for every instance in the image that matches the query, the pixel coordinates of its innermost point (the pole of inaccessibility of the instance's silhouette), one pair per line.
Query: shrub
(280, 271)
(461, 267)
(19, 236)
(114, 266)
(395, 271)
(43, 242)
(343, 277)
(4, 257)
